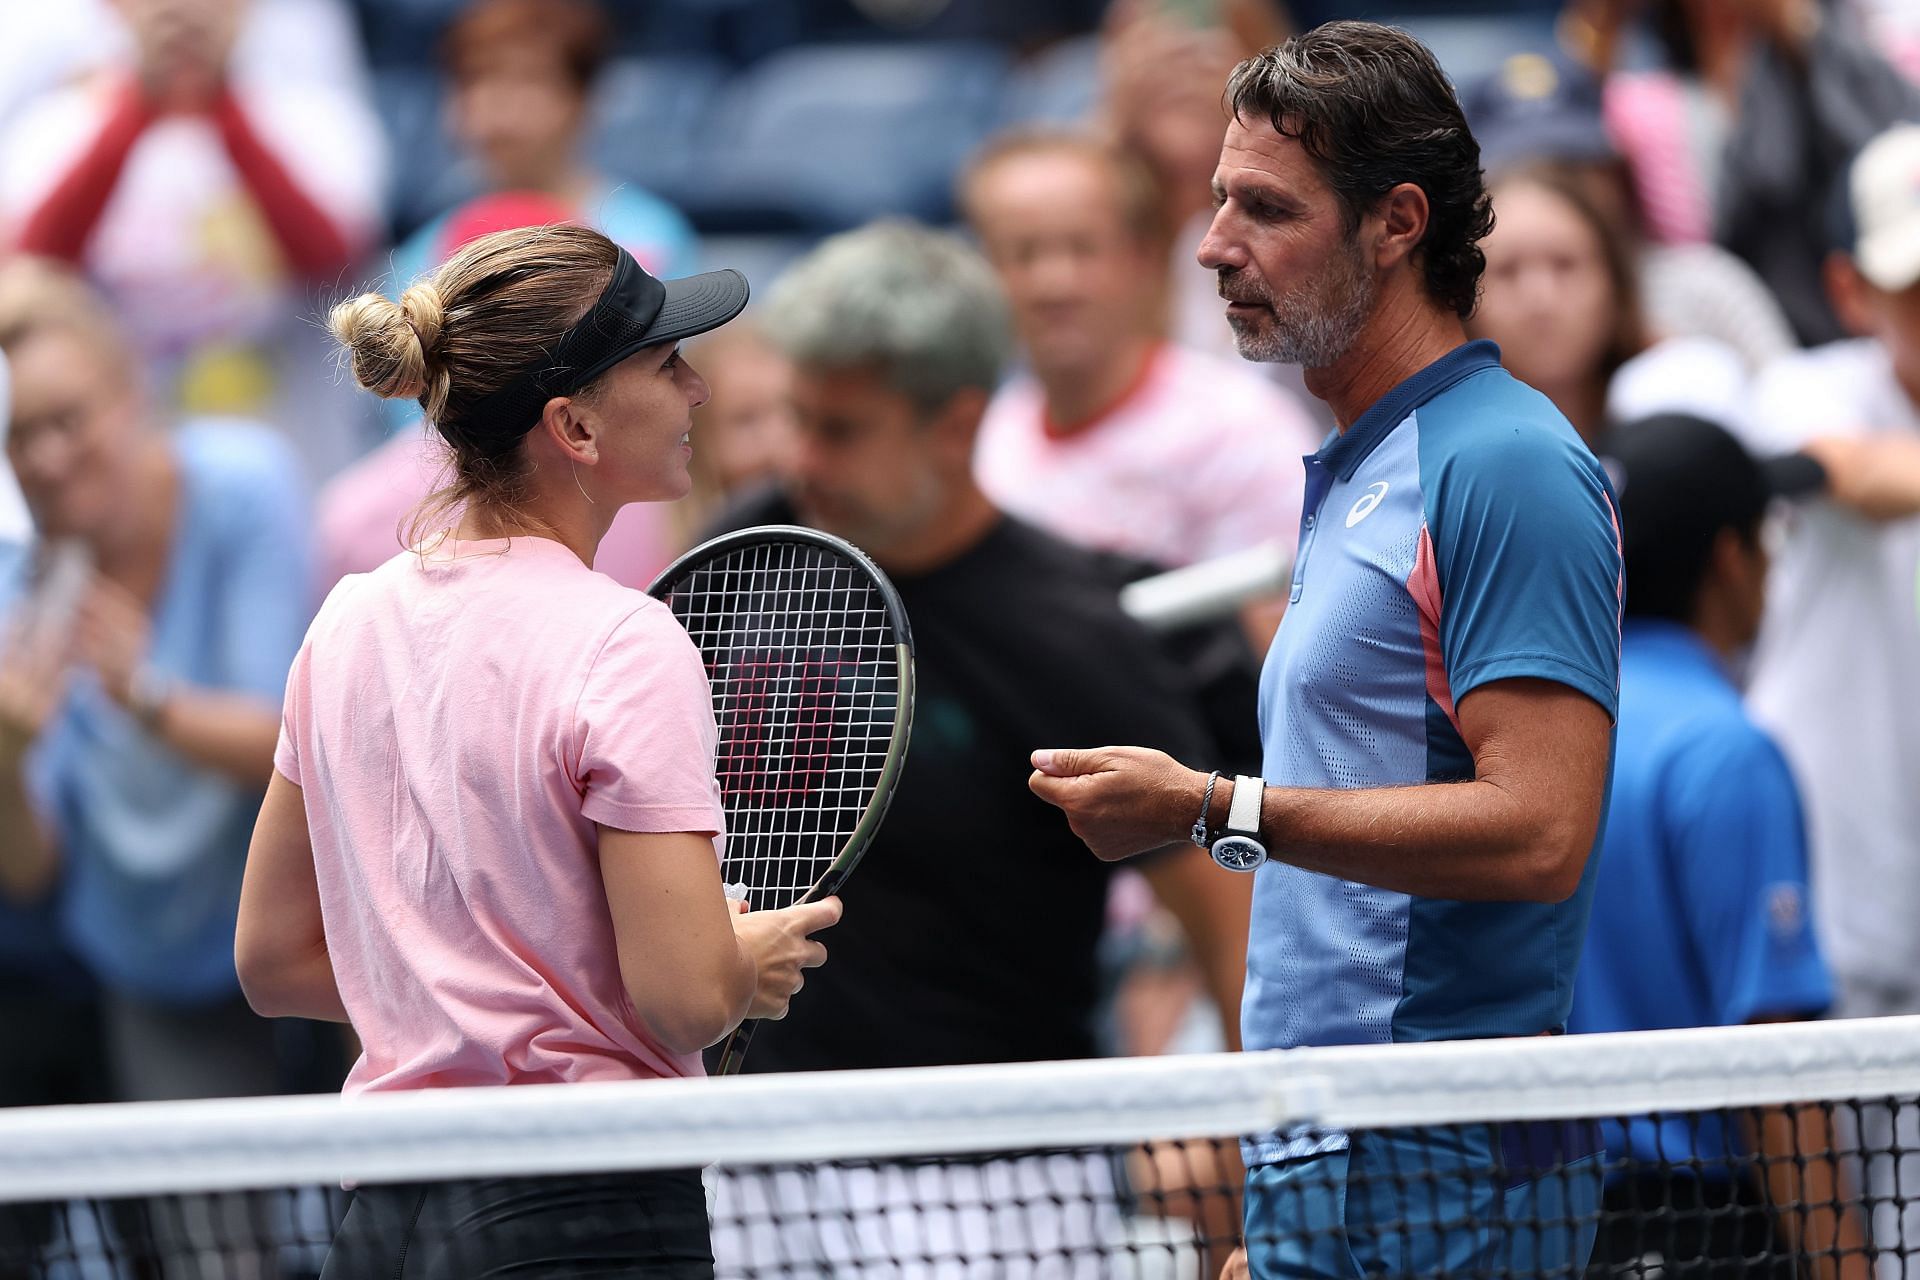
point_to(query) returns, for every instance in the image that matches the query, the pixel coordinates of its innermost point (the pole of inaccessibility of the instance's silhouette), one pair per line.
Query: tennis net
(1789, 1150)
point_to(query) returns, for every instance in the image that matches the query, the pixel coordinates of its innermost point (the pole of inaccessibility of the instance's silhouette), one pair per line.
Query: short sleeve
(1739, 843)
(645, 731)
(1525, 546)
(293, 714)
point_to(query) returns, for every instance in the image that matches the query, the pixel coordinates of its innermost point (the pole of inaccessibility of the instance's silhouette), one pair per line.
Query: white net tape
(159, 1148)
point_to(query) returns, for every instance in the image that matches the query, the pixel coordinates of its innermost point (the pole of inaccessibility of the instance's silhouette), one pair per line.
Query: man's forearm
(1464, 840)
(28, 859)
(1807, 1188)
(232, 734)
(1212, 907)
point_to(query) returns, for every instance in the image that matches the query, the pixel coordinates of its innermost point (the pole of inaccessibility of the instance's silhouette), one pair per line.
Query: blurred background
(1679, 216)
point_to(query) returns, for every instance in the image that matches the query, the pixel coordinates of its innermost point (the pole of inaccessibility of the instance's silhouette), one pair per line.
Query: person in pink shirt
(1114, 438)
(489, 841)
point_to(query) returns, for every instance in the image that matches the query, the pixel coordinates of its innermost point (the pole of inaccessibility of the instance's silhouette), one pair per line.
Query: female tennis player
(489, 840)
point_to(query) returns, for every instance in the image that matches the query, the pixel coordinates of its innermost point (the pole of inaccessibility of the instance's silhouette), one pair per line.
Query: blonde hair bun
(393, 347)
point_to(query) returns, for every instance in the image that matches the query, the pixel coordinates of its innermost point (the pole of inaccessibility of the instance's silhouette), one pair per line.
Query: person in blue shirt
(1700, 910)
(150, 628)
(1436, 709)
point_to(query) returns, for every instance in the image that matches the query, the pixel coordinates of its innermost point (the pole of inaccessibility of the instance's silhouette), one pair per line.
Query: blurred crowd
(1707, 218)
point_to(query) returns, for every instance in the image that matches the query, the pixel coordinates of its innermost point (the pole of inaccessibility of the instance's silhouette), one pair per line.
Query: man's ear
(1403, 214)
(571, 428)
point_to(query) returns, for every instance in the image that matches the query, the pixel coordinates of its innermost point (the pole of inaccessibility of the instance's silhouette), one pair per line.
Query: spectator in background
(16, 526)
(1161, 67)
(53, 1053)
(1700, 911)
(206, 196)
(520, 84)
(162, 604)
(1561, 296)
(1114, 437)
(898, 335)
(743, 434)
(1836, 674)
(1540, 110)
(139, 730)
(1748, 127)
(362, 513)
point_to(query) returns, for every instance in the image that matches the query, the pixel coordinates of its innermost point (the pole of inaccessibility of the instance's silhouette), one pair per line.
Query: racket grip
(733, 1054)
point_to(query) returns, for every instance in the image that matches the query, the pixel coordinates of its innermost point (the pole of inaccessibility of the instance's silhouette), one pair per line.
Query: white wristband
(1243, 813)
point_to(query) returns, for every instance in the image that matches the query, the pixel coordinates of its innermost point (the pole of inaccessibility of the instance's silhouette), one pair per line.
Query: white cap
(1885, 187)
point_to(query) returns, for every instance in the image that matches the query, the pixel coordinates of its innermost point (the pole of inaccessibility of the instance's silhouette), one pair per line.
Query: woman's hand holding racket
(782, 946)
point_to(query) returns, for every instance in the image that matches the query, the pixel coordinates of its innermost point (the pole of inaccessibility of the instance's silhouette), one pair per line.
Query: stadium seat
(1471, 47)
(647, 113)
(1058, 86)
(829, 136)
(427, 176)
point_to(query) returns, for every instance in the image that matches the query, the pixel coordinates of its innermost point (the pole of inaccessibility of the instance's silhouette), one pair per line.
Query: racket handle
(733, 1055)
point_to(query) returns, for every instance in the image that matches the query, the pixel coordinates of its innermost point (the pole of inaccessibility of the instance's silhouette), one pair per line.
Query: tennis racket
(808, 652)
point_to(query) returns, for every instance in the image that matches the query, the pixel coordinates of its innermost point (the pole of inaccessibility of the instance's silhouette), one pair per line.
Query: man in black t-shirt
(972, 924)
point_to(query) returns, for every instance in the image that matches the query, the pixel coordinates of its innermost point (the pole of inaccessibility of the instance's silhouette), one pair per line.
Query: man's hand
(111, 634)
(32, 681)
(181, 48)
(1875, 476)
(1121, 800)
(1236, 1268)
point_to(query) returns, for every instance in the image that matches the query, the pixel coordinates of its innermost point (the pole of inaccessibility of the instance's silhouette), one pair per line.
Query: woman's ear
(572, 427)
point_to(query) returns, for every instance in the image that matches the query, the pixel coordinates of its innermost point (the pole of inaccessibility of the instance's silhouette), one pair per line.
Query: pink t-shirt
(1200, 459)
(458, 726)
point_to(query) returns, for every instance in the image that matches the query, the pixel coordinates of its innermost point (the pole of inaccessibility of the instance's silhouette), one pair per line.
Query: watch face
(1239, 853)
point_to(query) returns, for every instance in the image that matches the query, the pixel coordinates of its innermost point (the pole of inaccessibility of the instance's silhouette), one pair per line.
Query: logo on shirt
(1368, 501)
(1786, 910)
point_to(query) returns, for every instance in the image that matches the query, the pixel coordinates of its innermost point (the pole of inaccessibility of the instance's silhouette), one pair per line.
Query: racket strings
(801, 655)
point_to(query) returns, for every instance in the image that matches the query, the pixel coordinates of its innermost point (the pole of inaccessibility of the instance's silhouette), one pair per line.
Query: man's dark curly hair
(1372, 107)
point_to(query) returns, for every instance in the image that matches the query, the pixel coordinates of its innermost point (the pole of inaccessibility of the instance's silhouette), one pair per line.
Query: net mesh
(807, 675)
(1777, 1151)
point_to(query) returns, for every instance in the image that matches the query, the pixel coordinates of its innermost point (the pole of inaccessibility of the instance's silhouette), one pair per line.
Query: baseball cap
(1681, 480)
(1884, 189)
(1537, 107)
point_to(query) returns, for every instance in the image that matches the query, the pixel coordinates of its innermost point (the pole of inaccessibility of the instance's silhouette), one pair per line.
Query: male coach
(1436, 711)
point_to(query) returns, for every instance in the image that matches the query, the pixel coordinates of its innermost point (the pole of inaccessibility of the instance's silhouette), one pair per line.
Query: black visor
(634, 311)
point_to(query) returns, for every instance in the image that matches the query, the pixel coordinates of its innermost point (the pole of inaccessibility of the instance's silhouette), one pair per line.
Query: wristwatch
(147, 696)
(1240, 848)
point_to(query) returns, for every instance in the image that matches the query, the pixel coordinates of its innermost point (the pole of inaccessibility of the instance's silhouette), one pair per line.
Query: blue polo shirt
(153, 845)
(1700, 913)
(1459, 533)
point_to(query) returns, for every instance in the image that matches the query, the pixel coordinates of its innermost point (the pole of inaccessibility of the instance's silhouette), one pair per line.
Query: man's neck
(1404, 335)
(962, 523)
(1076, 399)
(132, 549)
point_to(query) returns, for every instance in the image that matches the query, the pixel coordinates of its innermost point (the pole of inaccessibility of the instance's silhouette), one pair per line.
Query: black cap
(1680, 481)
(634, 311)
(1537, 107)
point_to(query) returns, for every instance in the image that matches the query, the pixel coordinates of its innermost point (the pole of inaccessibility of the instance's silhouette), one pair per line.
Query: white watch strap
(1243, 814)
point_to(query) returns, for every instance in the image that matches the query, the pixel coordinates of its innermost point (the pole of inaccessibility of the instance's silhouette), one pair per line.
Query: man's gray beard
(1313, 332)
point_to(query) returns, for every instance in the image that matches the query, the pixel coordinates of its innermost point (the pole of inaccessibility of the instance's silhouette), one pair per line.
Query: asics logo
(1368, 501)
